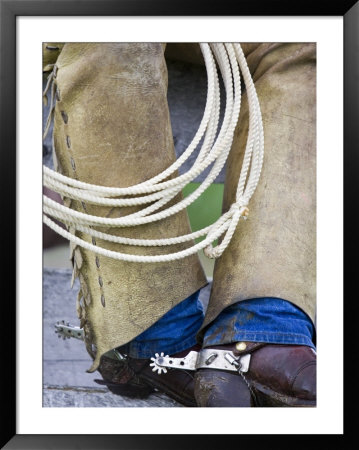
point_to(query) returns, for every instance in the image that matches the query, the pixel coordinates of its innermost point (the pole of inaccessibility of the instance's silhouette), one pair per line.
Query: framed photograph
(46, 401)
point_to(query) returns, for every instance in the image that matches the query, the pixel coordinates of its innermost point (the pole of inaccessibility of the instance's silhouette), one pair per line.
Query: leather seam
(303, 366)
(65, 119)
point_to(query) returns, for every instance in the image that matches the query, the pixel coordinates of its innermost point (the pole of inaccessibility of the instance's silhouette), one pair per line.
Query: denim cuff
(149, 349)
(267, 337)
(270, 320)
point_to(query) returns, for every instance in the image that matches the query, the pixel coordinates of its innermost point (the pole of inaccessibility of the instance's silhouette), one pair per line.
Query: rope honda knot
(242, 210)
(235, 212)
(212, 252)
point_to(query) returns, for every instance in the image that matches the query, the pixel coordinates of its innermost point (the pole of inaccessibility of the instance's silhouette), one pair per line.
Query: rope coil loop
(155, 193)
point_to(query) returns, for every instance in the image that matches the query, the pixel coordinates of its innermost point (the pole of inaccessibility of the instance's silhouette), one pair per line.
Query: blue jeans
(174, 332)
(270, 320)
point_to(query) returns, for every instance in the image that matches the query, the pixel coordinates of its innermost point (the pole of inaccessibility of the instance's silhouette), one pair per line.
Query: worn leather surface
(273, 253)
(216, 388)
(135, 378)
(287, 369)
(285, 375)
(112, 128)
(177, 384)
(121, 379)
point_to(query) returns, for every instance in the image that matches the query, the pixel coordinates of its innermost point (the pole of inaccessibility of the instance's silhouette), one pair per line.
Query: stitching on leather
(88, 332)
(68, 142)
(73, 164)
(64, 116)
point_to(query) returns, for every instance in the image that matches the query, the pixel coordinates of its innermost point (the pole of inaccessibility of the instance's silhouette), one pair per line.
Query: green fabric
(207, 208)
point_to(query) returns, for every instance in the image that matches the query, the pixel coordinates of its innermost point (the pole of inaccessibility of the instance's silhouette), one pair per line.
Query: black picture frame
(9, 10)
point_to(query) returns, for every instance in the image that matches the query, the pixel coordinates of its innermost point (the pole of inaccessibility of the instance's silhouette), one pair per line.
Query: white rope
(156, 192)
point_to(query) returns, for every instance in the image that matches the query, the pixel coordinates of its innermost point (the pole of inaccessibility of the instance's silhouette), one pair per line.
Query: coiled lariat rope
(214, 149)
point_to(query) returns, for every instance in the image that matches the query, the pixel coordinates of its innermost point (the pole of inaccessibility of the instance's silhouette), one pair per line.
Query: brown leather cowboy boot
(133, 377)
(278, 375)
